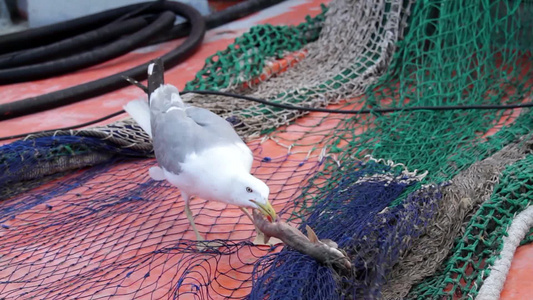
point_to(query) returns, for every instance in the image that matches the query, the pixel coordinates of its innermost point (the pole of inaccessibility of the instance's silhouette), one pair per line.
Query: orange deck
(166, 222)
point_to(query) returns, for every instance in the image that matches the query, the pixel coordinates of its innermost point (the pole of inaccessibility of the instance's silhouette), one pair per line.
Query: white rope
(493, 285)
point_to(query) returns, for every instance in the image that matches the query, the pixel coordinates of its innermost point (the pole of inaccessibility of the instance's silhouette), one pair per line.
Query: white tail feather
(140, 112)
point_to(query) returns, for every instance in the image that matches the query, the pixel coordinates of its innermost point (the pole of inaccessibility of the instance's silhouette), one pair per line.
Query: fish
(324, 251)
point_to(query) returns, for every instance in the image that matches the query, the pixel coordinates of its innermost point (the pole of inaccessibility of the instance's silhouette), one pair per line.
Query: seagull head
(249, 191)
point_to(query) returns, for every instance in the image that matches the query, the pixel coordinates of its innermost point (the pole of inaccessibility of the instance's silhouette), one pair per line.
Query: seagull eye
(249, 190)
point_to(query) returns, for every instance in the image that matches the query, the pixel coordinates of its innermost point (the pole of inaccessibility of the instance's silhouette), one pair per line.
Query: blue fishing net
(356, 215)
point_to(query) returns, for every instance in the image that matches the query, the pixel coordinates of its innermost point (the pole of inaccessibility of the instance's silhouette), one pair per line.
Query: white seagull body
(200, 153)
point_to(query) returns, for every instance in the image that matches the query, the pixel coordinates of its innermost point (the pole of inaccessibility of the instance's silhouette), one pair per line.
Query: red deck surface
(518, 284)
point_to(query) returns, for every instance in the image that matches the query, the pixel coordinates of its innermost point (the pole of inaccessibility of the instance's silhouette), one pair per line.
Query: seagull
(198, 152)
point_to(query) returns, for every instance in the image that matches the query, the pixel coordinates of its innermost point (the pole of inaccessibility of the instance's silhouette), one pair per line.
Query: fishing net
(481, 244)
(429, 193)
(357, 40)
(468, 189)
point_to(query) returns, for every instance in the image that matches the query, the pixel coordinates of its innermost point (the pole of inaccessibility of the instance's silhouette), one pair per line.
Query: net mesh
(480, 245)
(123, 235)
(465, 192)
(357, 40)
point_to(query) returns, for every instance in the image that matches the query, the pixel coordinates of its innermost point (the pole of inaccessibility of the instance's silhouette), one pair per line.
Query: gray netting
(453, 52)
(355, 47)
(476, 250)
(124, 134)
(470, 188)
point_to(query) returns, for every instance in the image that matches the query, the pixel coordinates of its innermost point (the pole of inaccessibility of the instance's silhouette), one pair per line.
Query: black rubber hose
(216, 19)
(238, 11)
(76, 44)
(113, 82)
(45, 35)
(72, 63)
(108, 84)
(89, 58)
(35, 37)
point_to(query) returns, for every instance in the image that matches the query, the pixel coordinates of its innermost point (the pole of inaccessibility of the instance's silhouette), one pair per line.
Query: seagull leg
(260, 239)
(201, 245)
(188, 212)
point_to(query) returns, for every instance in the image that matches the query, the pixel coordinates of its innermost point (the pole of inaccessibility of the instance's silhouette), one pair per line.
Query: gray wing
(213, 123)
(177, 133)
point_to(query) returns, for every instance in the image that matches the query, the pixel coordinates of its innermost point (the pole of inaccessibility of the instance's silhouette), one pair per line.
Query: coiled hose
(152, 23)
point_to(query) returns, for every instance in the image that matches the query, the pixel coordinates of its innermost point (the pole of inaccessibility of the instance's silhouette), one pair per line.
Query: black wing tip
(156, 75)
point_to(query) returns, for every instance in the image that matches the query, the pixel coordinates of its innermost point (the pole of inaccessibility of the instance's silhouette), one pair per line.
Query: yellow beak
(267, 210)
